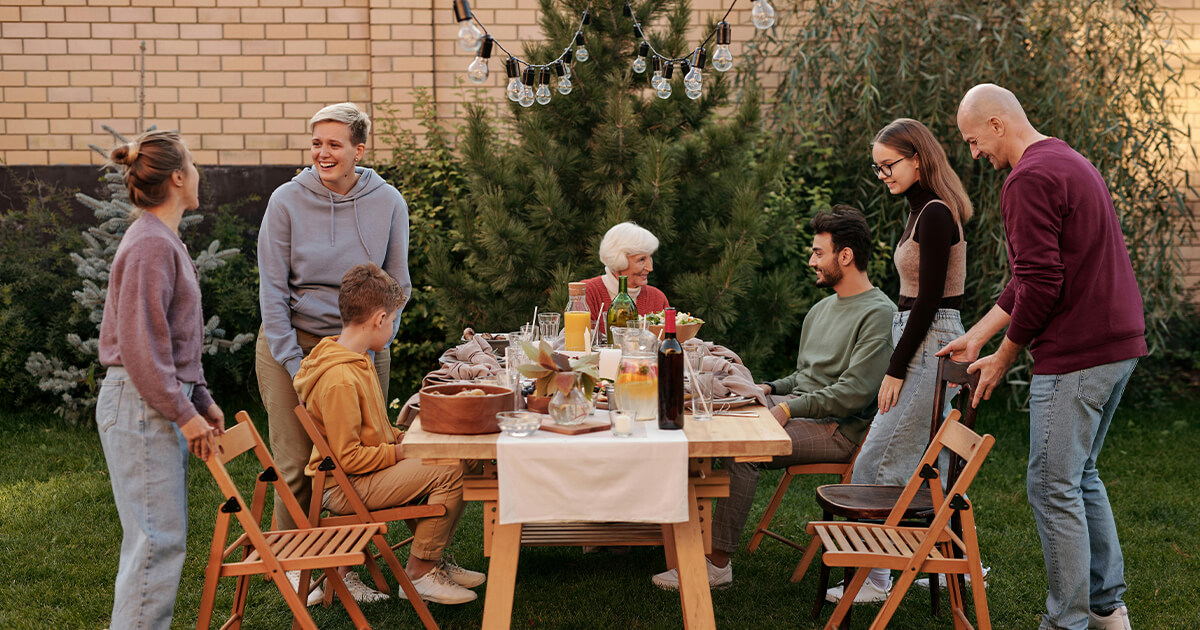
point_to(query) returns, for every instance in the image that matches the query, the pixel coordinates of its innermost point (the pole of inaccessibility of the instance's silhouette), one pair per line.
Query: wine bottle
(670, 376)
(622, 310)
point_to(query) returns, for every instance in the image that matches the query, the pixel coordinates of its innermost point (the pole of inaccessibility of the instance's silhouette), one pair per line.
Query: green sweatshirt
(844, 352)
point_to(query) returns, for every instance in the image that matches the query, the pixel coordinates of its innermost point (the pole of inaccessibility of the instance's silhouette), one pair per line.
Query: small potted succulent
(554, 373)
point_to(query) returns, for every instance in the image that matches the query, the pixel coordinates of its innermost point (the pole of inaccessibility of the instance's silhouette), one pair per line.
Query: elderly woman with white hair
(627, 250)
(330, 217)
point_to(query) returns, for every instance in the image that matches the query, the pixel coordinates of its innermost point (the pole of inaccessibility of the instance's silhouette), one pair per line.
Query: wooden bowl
(682, 333)
(443, 412)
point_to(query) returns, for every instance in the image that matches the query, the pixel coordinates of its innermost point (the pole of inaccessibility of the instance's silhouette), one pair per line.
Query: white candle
(622, 423)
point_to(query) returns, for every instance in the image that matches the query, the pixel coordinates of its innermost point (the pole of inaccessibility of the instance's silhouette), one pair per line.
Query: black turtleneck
(936, 233)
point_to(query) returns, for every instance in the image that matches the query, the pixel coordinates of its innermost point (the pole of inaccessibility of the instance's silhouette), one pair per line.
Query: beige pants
(405, 482)
(290, 446)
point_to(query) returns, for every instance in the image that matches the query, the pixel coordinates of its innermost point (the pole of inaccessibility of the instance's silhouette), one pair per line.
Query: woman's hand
(889, 392)
(199, 435)
(216, 418)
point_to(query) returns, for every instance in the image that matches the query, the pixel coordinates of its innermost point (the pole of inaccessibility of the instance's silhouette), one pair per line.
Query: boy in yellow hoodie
(339, 387)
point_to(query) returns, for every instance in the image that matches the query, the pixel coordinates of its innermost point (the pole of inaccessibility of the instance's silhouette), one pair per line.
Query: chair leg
(406, 585)
(299, 607)
(979, 593)
(848, 594)
(810, 552)
(769, 513)
(356, 614)
(377, 575)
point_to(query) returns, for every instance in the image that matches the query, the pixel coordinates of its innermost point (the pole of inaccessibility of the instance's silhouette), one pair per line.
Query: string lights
(533, 83)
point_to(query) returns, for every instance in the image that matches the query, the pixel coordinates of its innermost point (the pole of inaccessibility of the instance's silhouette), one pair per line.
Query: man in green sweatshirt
(827, 404)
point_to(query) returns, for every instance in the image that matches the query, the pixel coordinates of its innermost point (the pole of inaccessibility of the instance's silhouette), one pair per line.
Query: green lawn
(59, 539)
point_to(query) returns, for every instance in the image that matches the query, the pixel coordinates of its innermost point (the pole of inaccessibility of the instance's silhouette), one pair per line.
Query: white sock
(881, 578)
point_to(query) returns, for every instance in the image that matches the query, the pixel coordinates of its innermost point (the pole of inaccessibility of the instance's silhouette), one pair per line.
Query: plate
(733, 402)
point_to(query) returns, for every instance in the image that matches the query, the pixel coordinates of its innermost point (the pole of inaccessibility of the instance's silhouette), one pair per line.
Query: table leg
(694, 593)
(502, 576)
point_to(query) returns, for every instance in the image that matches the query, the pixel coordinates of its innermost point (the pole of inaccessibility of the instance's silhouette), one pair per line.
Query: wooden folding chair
(841, 469)
(863, 502)
(330, 467)
(272, 553)
(935, 548)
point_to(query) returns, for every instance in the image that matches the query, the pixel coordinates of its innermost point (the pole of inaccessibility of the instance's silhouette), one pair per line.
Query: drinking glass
(529, 332)
(548, 325)
(692, 356)
(702, 396)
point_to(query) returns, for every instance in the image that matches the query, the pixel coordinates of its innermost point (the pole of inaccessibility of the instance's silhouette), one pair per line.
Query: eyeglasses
(884, 169)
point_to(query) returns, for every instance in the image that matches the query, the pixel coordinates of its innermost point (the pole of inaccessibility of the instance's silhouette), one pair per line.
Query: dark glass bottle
(622, 309)
(670, 376)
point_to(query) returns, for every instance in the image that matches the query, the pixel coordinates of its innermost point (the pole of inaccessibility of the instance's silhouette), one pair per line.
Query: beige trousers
(290, 446)
(405, 482)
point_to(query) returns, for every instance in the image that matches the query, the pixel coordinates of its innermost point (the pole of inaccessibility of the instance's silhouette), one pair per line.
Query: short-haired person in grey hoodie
(330, 217)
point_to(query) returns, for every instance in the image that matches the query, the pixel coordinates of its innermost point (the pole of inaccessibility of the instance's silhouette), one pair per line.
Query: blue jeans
(899, 437)
(1069, 415)
(147, 465)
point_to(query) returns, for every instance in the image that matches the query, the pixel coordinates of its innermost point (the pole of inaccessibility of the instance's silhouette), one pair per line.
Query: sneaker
(868, 594)
(924, 582)
(315, 594)
(438, 587)
(463, 577)
(1115, 620)
(718, 577)
(362, 593)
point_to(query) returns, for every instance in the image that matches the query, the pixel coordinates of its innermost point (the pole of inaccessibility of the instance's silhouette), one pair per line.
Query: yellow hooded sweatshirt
(341, 391)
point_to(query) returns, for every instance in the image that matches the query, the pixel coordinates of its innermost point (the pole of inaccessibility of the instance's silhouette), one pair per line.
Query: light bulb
(639, 64)
(526, 96)
(527, 79)
(692, 79)
(543, 94)
(477, 72)
(692, 94)
(514, 89)
(581, 51)
(762, 14)
(564, 81)
(655, 79)
(470, 36)
(664, 89)
(722, 58)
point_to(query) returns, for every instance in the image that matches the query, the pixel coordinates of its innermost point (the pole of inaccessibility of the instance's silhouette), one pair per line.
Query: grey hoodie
(310, 237)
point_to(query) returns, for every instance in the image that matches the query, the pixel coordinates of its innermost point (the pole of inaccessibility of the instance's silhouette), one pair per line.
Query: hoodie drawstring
(358, 226)
(331, 219)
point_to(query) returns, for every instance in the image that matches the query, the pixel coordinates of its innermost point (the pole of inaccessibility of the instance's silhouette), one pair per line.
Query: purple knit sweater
(153, 325)
(1073, 296)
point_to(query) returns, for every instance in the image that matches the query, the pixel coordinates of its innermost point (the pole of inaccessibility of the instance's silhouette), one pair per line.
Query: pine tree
(546, 182)
(77, 384)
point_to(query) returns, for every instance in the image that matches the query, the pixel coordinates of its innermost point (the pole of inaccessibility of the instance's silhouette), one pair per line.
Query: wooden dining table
(756, 438)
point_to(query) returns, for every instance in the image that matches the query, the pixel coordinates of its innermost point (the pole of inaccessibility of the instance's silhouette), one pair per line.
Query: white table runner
(549, 477)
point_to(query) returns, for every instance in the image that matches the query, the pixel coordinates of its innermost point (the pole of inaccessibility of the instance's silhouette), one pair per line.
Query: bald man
(1074, 301)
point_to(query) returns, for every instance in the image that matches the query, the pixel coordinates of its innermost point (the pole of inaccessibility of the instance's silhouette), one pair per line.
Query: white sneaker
(924, 582)
(1116, 620)
(868, 594)
(362, 593)
(463, 577)
(438, 587)
(315, 594)
(718, 577)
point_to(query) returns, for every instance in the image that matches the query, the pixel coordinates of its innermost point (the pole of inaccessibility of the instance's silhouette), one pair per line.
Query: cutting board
(588, 426)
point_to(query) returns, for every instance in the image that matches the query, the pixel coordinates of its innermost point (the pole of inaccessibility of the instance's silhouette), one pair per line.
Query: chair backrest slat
(959, 439)
(237, 440)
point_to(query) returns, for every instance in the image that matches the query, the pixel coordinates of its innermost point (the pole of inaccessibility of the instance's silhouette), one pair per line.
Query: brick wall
(239, 78)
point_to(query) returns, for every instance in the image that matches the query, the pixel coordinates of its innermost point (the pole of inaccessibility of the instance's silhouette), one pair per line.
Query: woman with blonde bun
(154, 406)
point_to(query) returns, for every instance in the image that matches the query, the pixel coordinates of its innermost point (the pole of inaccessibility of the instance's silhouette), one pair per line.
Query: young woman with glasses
(931, 259)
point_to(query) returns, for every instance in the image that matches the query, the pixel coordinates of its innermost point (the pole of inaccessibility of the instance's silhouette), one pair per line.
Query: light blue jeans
(899, 437)
(1069, 415)
(147, 465)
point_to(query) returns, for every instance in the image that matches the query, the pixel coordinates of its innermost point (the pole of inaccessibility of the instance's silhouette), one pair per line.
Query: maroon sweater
(1073, 297)
(152, 322)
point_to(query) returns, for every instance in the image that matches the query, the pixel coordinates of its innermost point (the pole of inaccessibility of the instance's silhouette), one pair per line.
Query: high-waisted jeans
(147, 459)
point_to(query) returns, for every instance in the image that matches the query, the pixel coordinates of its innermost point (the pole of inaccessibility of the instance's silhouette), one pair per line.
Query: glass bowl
(519, 423)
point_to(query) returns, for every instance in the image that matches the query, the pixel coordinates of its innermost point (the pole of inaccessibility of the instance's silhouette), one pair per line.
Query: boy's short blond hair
(366, 289)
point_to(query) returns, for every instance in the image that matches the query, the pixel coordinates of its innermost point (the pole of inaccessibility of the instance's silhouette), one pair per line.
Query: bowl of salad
(686, 326)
